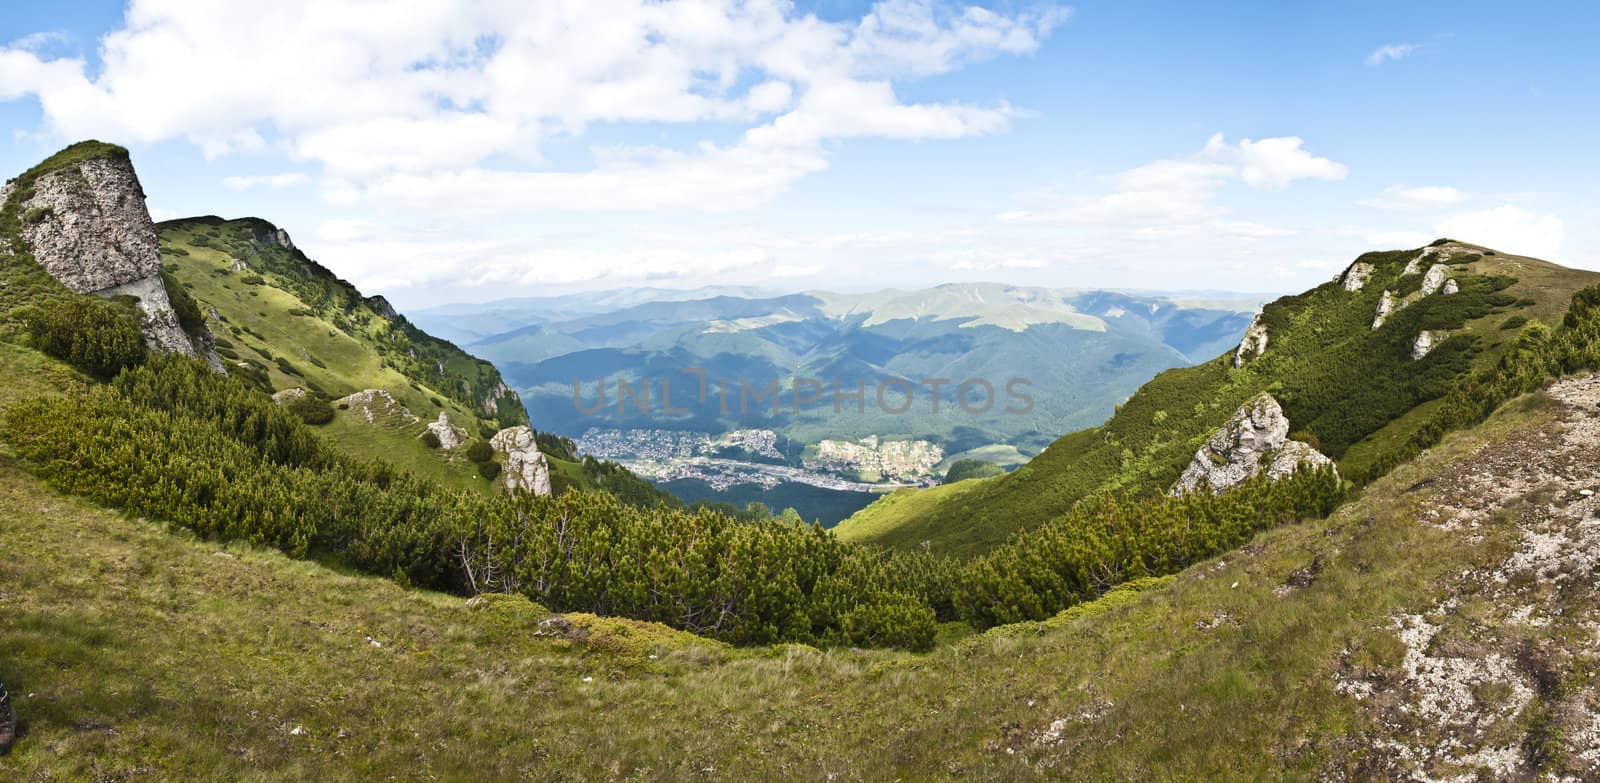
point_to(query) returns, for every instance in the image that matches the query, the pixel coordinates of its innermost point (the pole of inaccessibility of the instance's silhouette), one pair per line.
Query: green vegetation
(173, 441)
(148, 653)
(1099, 545)
(965, 469)
(101, 337)
(310, 409)
(1351, 388)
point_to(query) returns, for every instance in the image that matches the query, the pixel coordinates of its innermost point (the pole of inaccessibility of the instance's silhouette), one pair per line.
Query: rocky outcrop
(526, 468)
(377, 407)
(1254, 343)
(90, 230)
(288, 395)
(1450, 287)
(492, 400)
(1256, 439)
(1386, 307)
(1425, 343)
(280, 238)
(1434, 279)
(1355, 278)
(382, 307)
(450, 436)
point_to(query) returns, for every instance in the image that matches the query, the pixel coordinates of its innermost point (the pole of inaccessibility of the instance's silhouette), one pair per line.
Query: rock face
(450, 436)
(1355, 278)
(1450, 287)
(526, 467)
(94, 235)
(1425, 343)
(1434, 279)
(1385, 308)
(1255, 439)
(1254, 343)
(381, 306)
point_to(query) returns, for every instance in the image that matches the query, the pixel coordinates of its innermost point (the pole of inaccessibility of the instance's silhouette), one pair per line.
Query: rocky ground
(1497, 677)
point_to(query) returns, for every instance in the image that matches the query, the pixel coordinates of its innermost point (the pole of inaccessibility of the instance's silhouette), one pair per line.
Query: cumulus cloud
(1391, 52)
(1182, 192)
(1403, 197)
(285, 180)
(443, 96)
(1508, 227)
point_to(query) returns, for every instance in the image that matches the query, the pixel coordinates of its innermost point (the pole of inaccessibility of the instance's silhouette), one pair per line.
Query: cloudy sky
(442, 151)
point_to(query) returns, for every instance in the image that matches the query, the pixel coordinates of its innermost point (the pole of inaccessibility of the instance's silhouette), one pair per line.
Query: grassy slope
(1146, 444)
(138, 652)
(353, 360)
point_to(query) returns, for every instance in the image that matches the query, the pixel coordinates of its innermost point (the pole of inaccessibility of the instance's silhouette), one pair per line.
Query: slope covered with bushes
(1353, 390)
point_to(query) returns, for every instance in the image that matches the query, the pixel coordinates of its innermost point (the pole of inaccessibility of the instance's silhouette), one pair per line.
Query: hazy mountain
(1079, 352)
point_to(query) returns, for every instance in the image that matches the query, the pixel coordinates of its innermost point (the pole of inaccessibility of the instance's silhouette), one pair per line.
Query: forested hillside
(1353, 390)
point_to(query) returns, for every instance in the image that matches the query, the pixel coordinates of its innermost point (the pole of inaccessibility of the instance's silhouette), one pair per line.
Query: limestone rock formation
(378, 407)
(1435, 279)
(1355, 278)
(1256, 439)
(288, 395)
(1425, 343)
(1386, 307)
(93, 233)
(1450, 287)
(382, 307)
(450, 436)
(1254, 343)
(526, 467)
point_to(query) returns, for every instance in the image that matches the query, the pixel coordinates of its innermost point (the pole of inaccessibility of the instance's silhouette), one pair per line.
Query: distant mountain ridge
(1080, 350)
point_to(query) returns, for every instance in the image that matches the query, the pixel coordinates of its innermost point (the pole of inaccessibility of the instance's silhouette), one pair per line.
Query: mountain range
(1076, 353)
(260, 526)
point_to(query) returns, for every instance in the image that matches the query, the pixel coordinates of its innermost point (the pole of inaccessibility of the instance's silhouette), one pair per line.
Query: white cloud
(1271, 164)
(1510, 228)
(1167, 194)
(791, 271)
(1389, 52)
(443, 95)
(1402, 197)
(285, 180)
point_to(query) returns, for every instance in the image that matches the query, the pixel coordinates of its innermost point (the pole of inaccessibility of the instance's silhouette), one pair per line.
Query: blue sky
(484, 150)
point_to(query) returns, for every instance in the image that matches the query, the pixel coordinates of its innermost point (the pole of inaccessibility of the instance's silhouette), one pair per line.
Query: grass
(140, 652)
(272, 328)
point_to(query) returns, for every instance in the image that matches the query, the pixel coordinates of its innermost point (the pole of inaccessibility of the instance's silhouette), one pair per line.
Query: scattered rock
(1255, 439)
(560, 627)
(1305, 576)
(1450, 287)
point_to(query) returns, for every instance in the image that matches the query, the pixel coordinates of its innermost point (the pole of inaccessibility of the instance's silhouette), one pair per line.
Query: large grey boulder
(1256, 439)
(92, 232)
(526, 467)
